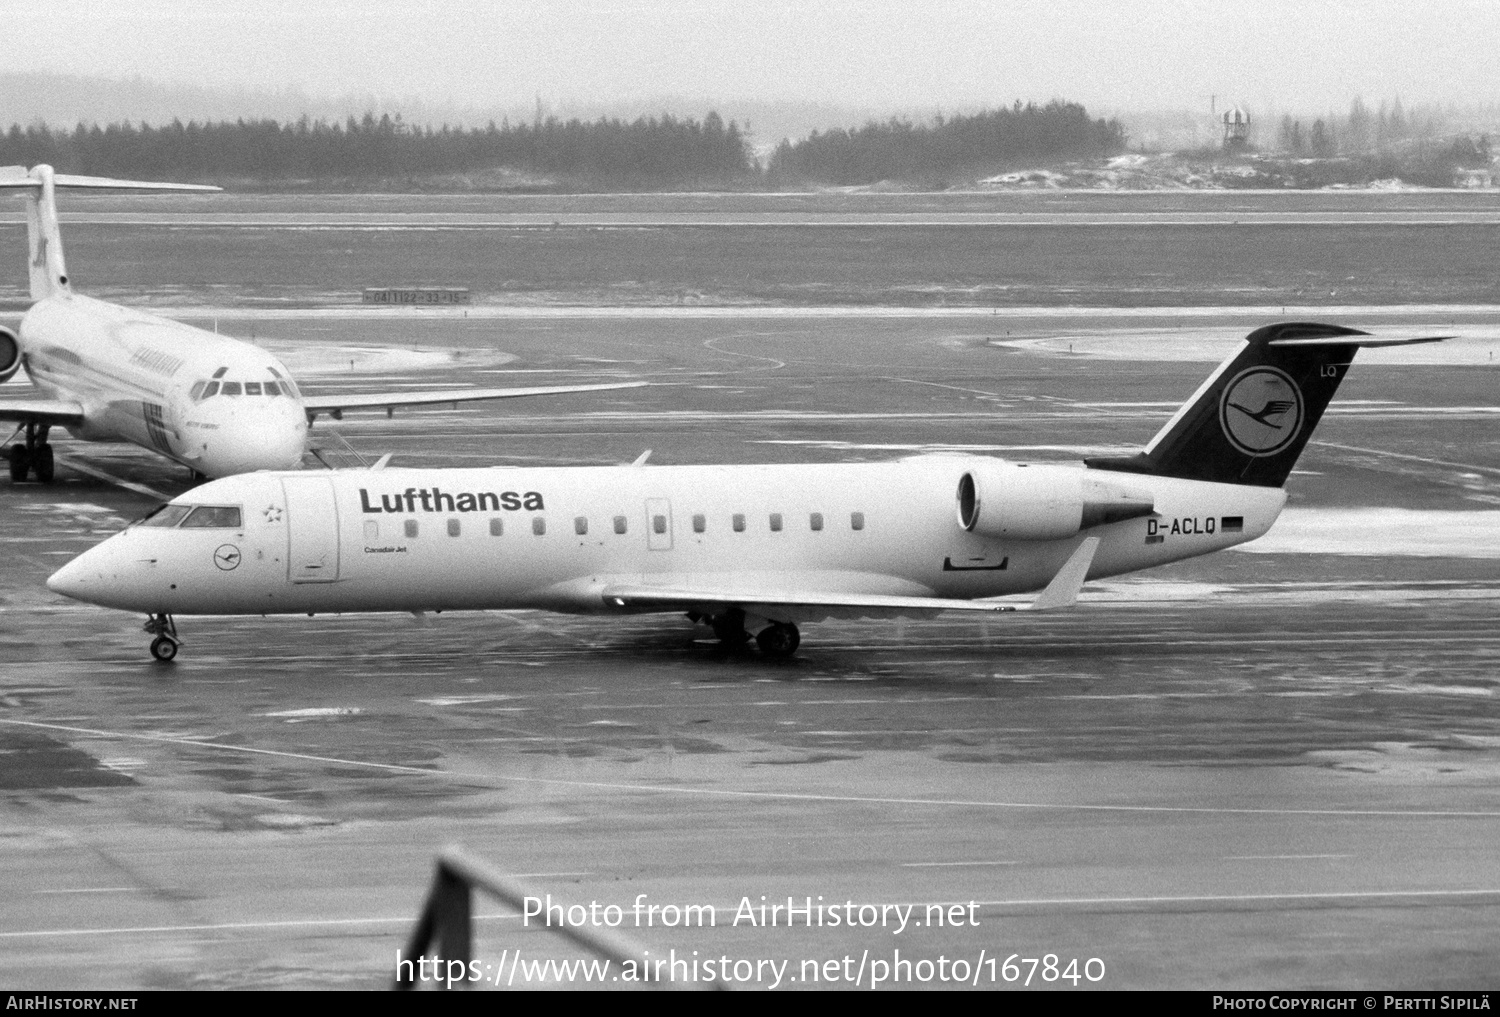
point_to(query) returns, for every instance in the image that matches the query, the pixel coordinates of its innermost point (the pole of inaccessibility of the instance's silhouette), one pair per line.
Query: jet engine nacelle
(10, 354)
(1031, 502)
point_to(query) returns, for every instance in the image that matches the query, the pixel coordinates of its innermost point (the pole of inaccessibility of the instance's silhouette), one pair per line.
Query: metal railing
(446, 925)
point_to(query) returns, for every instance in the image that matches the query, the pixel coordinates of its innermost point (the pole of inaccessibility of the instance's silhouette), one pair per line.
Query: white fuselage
(215, 404)
(556, 538)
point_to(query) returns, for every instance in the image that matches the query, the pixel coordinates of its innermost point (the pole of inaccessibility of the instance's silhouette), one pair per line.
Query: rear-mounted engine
(1030, 502)
(10, 354)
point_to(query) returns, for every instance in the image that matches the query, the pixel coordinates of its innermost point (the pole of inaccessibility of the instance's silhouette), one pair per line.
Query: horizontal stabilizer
(1065, 586)
(1370, 343)
(336, 404)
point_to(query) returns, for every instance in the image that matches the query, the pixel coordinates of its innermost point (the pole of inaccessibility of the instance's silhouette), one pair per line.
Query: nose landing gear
(164, 646)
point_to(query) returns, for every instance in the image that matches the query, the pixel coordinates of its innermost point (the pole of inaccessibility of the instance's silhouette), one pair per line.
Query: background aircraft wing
(40, 411)
(337, 404)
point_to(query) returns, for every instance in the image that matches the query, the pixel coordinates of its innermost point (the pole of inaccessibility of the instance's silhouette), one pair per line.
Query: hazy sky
(1308, 54)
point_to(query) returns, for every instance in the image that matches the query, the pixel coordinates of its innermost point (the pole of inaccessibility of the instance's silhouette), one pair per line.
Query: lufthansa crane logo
(227, 557)
(1261, 411)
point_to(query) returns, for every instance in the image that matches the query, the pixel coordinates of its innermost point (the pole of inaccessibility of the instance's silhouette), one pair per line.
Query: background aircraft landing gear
(34, 457)
(778, 640)
(164, 646)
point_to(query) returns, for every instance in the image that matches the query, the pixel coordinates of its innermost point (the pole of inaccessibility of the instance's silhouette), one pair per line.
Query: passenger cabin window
(739, 522)
(497, 526)
(815, 521)
(581, 525)
(372, 530)
(166, 515)
(620, 524)
(411, 528)
(454, 529)
(775, 522)
(252, 388)
(539, 525)
(659, 524)
(209, 517)
(699, 523)
(856, 520)
(231, 388)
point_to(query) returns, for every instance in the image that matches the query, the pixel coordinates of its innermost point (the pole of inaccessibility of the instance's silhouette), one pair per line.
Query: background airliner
(108, 373)
(747, 549)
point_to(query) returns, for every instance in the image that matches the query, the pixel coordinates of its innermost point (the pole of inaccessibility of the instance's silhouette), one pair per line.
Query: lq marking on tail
(1261, 411)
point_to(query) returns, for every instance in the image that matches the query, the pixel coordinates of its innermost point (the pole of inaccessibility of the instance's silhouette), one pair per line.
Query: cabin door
(312, 517)
(658, 524)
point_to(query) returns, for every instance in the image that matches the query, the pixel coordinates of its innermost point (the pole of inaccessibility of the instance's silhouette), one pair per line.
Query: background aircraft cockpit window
(231, 388)
(252, 388)
(211, 389)
(206, 517)
(166, 515)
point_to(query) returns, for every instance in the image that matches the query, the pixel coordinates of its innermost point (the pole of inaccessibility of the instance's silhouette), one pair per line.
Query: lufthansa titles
(435, 499)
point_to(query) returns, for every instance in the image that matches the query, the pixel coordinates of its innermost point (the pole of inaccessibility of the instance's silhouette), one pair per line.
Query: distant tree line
(1389, 128)
(649, 151)
(959, 146)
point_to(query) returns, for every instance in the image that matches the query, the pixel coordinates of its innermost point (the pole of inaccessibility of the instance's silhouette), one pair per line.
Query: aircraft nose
(88, 577)
(71, 580)
(110, 575)
(254, 434)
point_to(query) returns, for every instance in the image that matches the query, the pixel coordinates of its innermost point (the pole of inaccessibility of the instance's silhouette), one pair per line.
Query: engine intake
(1030, 502)
(10, 354)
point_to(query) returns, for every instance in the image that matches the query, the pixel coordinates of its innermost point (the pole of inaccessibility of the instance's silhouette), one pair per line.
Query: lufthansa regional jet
(108, 373)
(750, 550)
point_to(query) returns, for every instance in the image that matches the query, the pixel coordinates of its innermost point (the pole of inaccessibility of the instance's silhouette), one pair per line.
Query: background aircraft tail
(49, 272)
(1250, 420)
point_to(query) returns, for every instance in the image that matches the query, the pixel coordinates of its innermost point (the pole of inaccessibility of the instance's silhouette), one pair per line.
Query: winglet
(1063, 590)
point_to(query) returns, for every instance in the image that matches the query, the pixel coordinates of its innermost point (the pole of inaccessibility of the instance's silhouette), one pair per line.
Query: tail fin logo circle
(1261, 411)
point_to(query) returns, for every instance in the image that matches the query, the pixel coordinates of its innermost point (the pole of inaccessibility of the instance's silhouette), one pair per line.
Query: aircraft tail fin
(1250, 420)
(49, 272)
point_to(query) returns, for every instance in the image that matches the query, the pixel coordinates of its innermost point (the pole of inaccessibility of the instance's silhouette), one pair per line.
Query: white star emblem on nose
(272, 513)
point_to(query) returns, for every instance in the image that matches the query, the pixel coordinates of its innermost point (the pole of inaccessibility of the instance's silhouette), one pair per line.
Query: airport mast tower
(1236, 130)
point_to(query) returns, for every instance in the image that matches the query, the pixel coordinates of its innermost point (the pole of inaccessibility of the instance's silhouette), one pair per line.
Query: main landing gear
(34, 457)
(778, 640)
(164, 646)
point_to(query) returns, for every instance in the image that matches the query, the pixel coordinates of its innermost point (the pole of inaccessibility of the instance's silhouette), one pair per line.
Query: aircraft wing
(802, 605)
(337, 404)
(40, 411)
(18, 177)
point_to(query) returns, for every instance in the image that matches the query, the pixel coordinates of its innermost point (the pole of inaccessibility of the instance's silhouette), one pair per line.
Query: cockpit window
(252, 388)
(272, 388)
(221, 372)
(197, 390)
(231, 388)
(212, 388)
(213, 516)
(166, 515)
